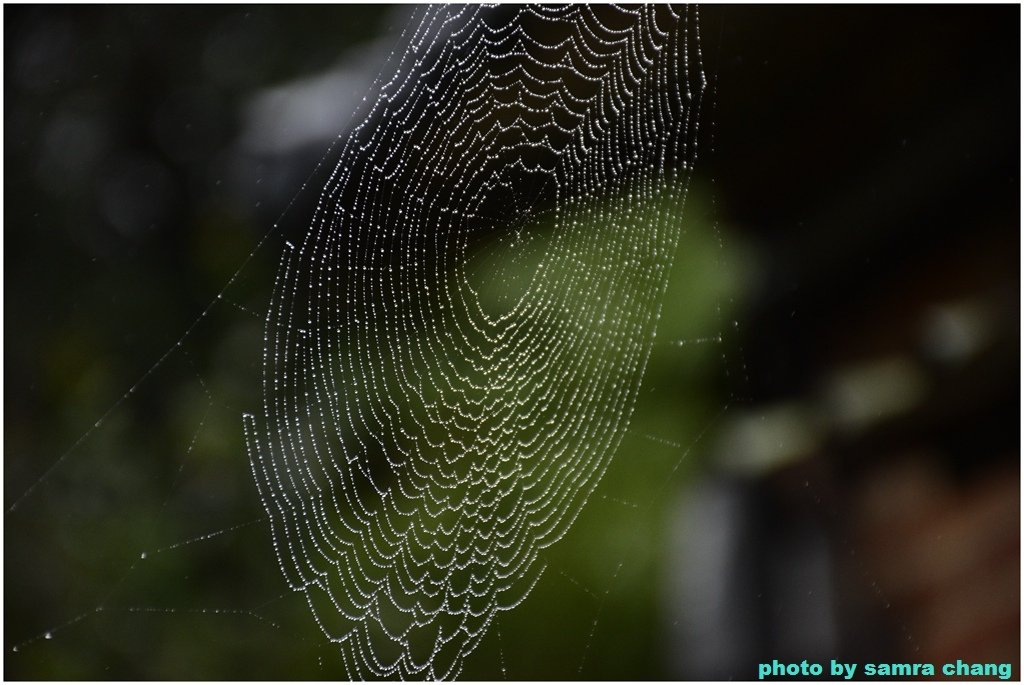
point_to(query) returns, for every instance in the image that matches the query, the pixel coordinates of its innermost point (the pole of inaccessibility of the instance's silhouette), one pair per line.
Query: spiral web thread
(453, 351)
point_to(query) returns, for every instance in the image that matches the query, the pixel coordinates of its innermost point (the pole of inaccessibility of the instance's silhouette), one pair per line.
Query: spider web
(455, 348)
(430, 423)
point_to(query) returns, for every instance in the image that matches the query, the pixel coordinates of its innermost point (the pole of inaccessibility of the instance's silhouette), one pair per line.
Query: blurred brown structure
(865, 496)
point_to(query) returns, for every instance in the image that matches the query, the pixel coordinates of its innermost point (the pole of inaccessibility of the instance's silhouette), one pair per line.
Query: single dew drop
(48, 636)
(15, 648)
(142, 556)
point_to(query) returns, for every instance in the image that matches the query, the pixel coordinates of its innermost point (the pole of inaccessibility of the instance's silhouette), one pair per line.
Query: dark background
(862, 168)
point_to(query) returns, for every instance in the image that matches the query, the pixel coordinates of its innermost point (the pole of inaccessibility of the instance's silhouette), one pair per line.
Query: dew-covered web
(454, 349)
(458, 349)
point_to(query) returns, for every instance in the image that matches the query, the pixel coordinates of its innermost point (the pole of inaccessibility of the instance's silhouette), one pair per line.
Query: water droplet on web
(48, 636)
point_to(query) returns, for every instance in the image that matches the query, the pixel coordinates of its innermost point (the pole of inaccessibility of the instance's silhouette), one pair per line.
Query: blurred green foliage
(599, 611)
